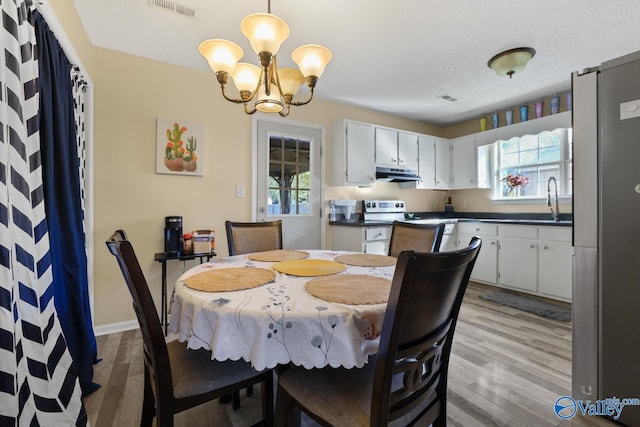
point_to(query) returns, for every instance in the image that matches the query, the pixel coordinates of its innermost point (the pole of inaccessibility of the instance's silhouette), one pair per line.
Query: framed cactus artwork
(180, 148)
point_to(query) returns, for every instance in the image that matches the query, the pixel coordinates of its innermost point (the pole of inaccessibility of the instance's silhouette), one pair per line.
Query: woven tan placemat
(367, 260)
(230, 279)
(309, 267)
(277, 255)
(351, 289)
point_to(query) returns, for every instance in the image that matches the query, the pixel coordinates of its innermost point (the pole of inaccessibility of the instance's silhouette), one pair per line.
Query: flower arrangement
(515, 181)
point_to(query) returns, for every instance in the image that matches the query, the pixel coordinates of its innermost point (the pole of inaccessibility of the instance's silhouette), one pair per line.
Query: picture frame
(179, 147)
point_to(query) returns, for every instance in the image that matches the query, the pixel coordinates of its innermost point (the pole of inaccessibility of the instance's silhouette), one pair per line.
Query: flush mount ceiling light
(511, 61)
(270, 89)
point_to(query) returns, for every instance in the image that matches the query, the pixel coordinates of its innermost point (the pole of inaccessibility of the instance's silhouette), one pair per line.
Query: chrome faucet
(555, 214)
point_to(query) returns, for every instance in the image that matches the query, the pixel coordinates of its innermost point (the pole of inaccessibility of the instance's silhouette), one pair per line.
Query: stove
(383, 210)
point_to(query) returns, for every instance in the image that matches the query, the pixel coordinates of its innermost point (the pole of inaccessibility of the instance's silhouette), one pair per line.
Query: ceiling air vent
(174, 7)
(448, 97)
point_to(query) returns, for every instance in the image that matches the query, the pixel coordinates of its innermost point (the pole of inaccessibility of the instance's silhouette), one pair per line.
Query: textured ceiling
(394, 56)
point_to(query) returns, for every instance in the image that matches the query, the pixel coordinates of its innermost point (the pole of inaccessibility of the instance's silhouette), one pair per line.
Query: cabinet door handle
(545, 247)
(477, 229)
(393, 160)
(493, 243)
(400, 161)
(532, 246)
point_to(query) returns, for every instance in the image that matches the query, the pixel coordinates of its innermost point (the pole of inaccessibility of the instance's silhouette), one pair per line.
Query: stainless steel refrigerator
(606, 227)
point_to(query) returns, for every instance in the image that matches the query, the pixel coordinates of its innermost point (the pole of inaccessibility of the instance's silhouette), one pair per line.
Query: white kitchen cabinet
(408, 150)
(463, 163)
(396, 148)
(386, 146)
(369, 240)
(426, 161)
(518, 257)
(484, 166)
(426, 164)
(449, 240)
(555, 260)
(352, 153)
(486, 268)
(443, 164)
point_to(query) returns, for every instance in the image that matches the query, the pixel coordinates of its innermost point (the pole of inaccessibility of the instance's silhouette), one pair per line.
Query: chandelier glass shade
(511, 61)
(265, 88)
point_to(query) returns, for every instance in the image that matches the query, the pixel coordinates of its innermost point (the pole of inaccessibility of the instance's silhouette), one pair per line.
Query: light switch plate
(629, 110)
(240, 191)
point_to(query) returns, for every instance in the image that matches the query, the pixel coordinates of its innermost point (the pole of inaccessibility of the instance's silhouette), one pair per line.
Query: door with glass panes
(288, 181)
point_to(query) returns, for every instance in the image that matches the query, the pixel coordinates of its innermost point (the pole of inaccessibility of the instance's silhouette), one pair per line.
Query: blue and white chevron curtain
(38, 386)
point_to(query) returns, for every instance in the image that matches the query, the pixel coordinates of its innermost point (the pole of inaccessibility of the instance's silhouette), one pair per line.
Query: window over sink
(524, 165)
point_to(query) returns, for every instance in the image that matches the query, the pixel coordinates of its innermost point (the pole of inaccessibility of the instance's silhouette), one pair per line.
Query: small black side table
(163, 257)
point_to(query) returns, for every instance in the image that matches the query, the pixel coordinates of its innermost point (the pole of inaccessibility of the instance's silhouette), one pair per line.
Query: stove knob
(373, 204)
(397, 205)
(368, 204)
(402, 204)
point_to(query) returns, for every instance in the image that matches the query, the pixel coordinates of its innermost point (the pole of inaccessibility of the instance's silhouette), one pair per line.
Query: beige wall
(69, 21)
(130, 93)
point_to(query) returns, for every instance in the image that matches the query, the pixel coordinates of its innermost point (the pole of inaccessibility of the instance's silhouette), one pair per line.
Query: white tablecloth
(279, 322)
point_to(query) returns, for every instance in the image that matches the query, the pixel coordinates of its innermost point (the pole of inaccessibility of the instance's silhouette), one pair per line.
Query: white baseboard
(112, 328)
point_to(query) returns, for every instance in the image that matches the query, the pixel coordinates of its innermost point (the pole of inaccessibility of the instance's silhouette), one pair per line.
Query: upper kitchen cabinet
(442, 164)
(455, 163)
(396, 148)
(352, 153)
(463, 163)
(426, 164)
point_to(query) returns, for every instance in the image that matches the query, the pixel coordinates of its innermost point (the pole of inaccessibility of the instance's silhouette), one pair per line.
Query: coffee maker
(172, 235)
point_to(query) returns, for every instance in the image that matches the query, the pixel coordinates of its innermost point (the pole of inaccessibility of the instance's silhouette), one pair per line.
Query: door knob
(261, 209)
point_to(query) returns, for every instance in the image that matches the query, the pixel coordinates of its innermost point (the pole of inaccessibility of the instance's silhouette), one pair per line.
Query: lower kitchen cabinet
(555, 262)
(526, 258)
(486, 267)
(449, 242)
(518, 263)
(369, 239)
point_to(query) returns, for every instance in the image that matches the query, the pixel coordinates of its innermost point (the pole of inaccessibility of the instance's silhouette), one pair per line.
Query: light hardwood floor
(507, 368)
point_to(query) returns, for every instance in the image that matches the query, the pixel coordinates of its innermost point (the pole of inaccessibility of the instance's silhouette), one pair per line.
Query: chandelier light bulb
(222, 55)
(269, 103)
(265, 32)
(245, 76)
(290, 80)
(312, 59)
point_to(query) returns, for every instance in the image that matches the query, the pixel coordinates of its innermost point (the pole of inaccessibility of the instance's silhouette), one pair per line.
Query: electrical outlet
(463, 203)
(435, 204)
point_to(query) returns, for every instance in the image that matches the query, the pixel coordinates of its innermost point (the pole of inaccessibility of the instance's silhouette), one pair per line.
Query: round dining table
(278, 322)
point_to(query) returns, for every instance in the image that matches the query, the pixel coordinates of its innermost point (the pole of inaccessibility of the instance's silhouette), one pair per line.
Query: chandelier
(266, 88)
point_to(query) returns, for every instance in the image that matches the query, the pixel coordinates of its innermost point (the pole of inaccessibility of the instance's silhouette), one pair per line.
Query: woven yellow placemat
(367, 260)
(230, 279)
(309, 267)
(277, 255)
(351, 289)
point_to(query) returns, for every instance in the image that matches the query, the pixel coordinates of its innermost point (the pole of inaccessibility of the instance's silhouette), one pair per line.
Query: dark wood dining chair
(177, 378)
(415, 237)
(247, 237)
(406, 381)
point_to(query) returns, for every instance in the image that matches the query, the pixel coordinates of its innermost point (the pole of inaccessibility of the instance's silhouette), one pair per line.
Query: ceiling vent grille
(448, 97)
(174, 7)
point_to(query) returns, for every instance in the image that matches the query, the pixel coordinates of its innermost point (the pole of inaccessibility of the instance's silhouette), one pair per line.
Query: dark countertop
(566, 220)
